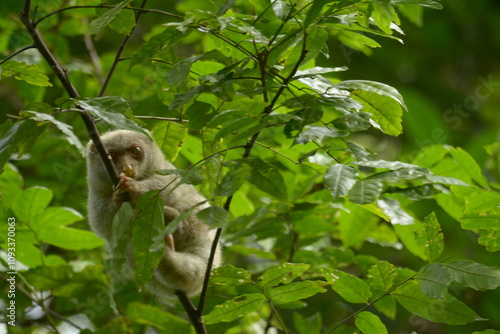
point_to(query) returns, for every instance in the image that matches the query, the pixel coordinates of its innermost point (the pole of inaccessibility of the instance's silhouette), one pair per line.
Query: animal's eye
(136, 151)
(112, 154)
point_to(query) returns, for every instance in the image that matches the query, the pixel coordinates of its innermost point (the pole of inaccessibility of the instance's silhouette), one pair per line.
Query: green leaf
(386, 112)
(123, 22)
(319, 134)
(183, 98)
(470, 166)
(235, 308)
(355, 225)
(282, 274)
(399, 175)
(393, 165)
(481, 220)
(365, 191)
(392, 209)
(434, 280)
(66, 129)
(374, 87)
(213, 216)
(310, 325)
(155, 44)
(22, 71)
(169, 136)
(199, 114)
(406, 234)
(369, 323)
(110, 109)
(430, 237)
(295, 291)
(281, 8)
(223, 6)
(384, 14)
(314, 12)
(233, 179)
(267, 178)
(152, 316)
(229, 275)
(474, 275)
(339, 179)
(448, 310)
(123, 222)
(71, 238)
(349, 287)
(97, 25)
(355, 40)
(8, 142)
(381, 276)
(353, 122)
(180, 71)
(490, 239)
(147, 238)
(31, 202)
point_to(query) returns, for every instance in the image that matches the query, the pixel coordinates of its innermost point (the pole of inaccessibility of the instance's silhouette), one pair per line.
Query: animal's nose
(129, 170)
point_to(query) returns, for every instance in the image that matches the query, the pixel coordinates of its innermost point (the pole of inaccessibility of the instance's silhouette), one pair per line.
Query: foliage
(243, 95)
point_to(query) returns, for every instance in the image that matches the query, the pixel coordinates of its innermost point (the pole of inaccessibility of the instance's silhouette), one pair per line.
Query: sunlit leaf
(295, 291)
(365, 191)
(374, 87)
(430, 237)
(235, 308)
(282, 274)
(386, 112)
(22, 71)
(339, 179)
(382, 275)
(351, 288)
(229, 275)
(31, 202)
(392, 209)
(169, 136)
(482, 220)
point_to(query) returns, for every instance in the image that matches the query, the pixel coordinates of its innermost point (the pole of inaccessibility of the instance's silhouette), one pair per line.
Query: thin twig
(120, 50)
(143, 10)
(167, 119)
(32, 46)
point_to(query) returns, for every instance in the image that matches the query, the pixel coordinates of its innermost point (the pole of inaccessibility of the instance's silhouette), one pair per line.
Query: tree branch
(62, 75)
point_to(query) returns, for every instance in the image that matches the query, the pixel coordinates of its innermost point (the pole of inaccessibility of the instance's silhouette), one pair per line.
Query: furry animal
(136, 158)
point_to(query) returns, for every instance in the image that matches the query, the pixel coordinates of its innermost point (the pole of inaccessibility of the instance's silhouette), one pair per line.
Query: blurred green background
(447, 70)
